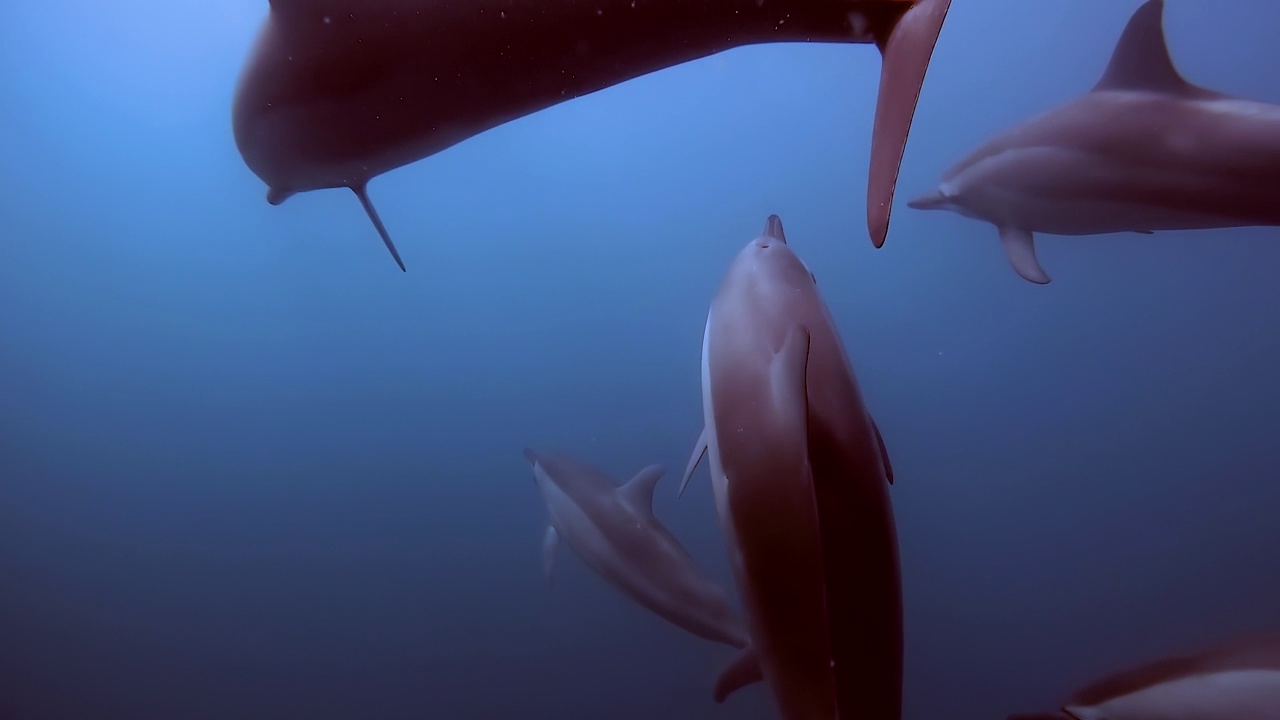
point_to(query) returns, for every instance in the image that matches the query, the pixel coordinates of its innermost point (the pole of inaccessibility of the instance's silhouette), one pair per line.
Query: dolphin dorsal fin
(638, 491)
(1140, 60)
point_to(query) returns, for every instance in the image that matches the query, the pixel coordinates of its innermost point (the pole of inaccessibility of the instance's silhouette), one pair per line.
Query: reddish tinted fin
(906, 45)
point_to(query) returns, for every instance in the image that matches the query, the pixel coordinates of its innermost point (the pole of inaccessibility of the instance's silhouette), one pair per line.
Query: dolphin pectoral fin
(699, 450)
(884, 452)
(363, 194)
(637, 493)
(906, 46)
(550, 542)
(788, 379)
(743, 670)
(1020, 249)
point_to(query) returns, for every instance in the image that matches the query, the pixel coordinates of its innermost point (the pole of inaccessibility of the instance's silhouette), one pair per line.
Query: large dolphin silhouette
(1144, 150)
(337, 92)
(801, 482)
(613, 530)
(1238, 680)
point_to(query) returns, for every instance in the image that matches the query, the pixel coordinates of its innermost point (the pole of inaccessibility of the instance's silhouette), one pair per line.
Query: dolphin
(801, 481)
(1237, 680)
(337, 92)
(613, 530)
(1143, 150)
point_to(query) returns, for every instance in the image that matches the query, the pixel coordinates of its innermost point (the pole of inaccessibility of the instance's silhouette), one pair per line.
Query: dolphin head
(769, 259)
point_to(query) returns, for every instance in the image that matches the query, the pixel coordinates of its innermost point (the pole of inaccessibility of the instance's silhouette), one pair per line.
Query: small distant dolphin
(613, 529)
(1239, 680)
(337, 92)
(1144, 150)
(801, 481)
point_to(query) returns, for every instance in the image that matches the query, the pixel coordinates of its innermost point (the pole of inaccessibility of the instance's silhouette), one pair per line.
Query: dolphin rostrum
(337, 92)
(613, 530)
(801, 482)
(1238, 680)
(1143, 150)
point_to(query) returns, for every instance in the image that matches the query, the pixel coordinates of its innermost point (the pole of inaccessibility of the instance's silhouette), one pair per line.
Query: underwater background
(248, 469)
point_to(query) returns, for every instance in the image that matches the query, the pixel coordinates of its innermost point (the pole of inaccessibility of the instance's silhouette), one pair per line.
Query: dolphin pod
(1237, 680)
(1144, 150)
(337, 92)
(613, 530)
(801, 481)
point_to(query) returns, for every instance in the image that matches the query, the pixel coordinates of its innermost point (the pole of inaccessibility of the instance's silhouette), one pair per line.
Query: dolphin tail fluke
(742, 670)
(906, 47)
(699, 449)
(1020, 250)
(362, 193)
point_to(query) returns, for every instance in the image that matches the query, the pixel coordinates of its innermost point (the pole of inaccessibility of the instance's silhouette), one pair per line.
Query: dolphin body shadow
(337, 92)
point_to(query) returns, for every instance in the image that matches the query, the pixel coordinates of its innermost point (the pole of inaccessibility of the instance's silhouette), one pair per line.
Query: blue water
(248, 469)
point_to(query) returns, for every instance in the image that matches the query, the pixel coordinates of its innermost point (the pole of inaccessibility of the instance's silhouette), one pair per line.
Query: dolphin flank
(1237, 680)
(801, 480)
(613, 530)
(337, 92)
(1143, 150)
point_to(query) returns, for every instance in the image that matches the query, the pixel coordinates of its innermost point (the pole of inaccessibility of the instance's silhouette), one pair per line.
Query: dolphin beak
(929, 201)
(276, 196)
(773, 229)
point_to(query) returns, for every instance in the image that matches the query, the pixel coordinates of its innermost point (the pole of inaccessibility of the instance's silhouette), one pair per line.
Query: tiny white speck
(327, 20)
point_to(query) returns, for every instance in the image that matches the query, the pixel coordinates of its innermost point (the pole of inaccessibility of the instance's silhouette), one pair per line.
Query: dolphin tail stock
(743, 670)
(906, 45)
(362, 193)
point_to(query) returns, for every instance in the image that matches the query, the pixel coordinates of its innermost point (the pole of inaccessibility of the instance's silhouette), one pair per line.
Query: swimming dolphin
(1239, 680)
(337, 92)
(801, 482)
(1143, 150)
(613, 529)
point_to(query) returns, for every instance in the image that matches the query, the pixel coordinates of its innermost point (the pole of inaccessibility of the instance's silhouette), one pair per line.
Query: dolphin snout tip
(773, 229)
(928, 201)
(275, 196)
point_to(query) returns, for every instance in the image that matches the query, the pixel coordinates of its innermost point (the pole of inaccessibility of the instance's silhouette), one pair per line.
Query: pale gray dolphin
(337, 92)
(801, 482)
(613, 530)
(1144, 150)
(1238, 680)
